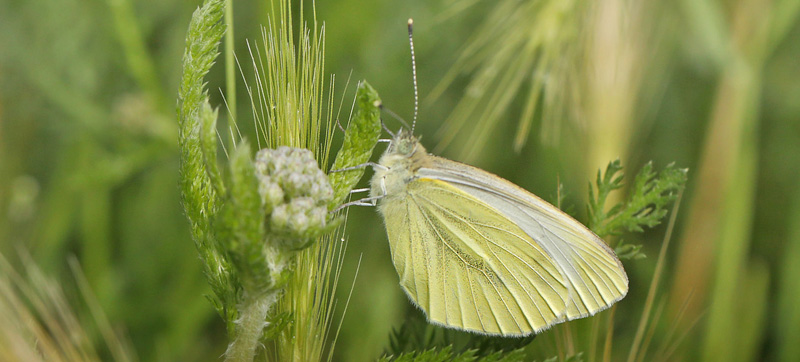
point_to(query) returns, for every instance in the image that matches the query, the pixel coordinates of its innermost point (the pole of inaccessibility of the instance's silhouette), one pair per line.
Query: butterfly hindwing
(468, 266)
(593, 274)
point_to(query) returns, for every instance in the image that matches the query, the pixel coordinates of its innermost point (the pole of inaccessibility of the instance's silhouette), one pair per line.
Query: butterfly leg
(367, 201)
(363, 165)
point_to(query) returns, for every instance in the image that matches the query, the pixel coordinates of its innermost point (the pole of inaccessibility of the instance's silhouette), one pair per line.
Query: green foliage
(415, 335)
(279, 322)
(88, 154)
(645, 206)
(578, 357)
(360, 139)
(538, 58)
(208, 147)
(40, 325)
(197, 143)
(788, 319)
(447, 354)
(240, 225)
(288, 97)
(247, 263)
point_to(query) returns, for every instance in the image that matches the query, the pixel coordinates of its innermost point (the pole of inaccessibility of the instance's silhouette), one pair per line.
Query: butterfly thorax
(404, 156)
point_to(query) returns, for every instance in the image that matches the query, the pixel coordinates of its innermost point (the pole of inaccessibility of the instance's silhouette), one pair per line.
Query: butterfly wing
(468, 266)
(593, 274)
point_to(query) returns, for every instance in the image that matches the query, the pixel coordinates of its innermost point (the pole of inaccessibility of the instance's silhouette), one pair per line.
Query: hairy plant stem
(254, 307)
(253, 313)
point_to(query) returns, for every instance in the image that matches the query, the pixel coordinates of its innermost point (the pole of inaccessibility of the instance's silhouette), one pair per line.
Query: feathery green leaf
(645, 207)
(447, 354)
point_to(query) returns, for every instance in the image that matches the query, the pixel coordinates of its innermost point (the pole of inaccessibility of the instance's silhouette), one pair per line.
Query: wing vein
(492, 242)
(489, 241)
(575, 249)
(486, 275)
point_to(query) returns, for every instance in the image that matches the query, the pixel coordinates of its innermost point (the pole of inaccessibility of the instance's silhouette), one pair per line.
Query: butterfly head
(404, 144)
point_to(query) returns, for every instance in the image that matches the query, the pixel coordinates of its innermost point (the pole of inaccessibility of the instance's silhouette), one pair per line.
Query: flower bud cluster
(295, 194)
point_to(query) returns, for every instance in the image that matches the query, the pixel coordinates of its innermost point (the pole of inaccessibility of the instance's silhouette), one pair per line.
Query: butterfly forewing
(468, 266)
(593, 274)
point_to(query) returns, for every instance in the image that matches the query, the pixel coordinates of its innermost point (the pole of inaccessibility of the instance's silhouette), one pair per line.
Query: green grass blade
(787, 317)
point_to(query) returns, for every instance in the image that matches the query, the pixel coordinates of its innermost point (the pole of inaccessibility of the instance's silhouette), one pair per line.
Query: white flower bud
(295, 193)
(299, 223)
(280, 217)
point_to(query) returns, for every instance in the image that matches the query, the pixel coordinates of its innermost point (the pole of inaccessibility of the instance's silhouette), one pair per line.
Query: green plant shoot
(360, 139)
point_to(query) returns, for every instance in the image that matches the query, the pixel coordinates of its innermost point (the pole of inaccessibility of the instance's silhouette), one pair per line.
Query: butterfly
(476, 252)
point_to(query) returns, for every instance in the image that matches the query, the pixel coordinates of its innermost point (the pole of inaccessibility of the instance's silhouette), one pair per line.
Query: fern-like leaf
(650, 194)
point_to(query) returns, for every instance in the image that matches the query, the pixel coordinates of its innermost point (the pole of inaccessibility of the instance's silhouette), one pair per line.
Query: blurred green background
(89, 158)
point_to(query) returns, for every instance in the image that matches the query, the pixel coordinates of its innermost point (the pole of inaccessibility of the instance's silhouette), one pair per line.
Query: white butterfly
(478, 253)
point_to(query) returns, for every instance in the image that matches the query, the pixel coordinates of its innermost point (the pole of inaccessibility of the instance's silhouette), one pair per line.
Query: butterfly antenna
(413, 73)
